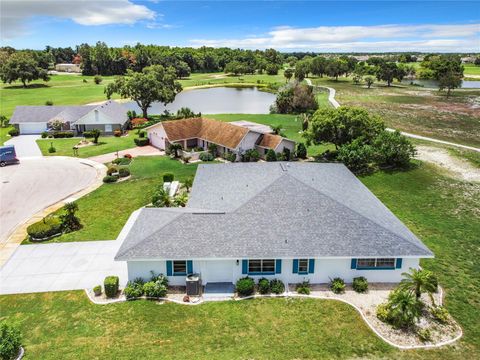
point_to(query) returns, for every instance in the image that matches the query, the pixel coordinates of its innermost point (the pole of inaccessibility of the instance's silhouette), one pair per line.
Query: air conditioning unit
(194, 285)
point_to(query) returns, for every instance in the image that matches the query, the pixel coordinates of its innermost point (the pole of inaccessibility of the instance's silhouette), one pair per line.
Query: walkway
(335, 104)
(25, 145)
(136, 151)
(62, 266)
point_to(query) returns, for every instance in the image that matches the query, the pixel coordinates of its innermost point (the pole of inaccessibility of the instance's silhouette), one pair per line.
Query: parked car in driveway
(8, 155)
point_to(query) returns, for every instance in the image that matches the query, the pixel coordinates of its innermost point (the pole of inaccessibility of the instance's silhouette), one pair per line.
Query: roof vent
(283, 166)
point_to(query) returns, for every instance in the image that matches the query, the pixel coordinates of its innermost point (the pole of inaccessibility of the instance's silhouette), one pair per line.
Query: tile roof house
(108, 117)
(234, 137)
(292, 221)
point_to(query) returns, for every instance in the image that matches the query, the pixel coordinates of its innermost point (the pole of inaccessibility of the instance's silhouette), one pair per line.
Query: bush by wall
(360, 284)
(337, 285)
(303, 287)
(14, 132)
(206, 156)
(245, 286)
(62, 134)
(155, 289)
(263, 286)
(141, 141)
(277, 286)
(10, 341)
(110, 285)
(123, 172)
(168, 177)
(133, 290)
(45, 228)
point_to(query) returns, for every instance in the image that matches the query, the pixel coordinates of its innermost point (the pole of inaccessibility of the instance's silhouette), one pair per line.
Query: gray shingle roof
(39, 114)
(272, 210)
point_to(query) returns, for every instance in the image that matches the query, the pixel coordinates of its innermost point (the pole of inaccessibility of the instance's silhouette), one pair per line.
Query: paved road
(36, 183)
(25, 145)
(63, 266)
(335, 104)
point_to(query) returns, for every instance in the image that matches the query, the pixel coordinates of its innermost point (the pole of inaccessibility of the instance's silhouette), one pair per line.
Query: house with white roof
(107, 117)
(289, 220)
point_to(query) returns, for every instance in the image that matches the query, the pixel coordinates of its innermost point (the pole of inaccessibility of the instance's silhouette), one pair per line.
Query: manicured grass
(104, 211)
(291, 126)
(415, 109)
(443, 213)
(471, 69)
(68, 324)
(106, 144)
(4, 134)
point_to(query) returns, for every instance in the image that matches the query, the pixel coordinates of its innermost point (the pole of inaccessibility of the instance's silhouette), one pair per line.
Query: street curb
(16, 237)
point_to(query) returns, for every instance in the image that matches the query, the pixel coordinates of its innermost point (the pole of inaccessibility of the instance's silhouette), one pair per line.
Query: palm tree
(175, 148)
(187, 184)
(181, 200)
(277, 129)
(304, 118)
(418, 282)
(404, 308)
(162, 198)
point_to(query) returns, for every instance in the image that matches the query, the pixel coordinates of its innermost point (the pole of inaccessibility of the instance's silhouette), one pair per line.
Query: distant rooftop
(260, 128)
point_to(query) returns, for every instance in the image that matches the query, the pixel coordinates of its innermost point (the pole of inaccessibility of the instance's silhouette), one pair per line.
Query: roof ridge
(361, 215)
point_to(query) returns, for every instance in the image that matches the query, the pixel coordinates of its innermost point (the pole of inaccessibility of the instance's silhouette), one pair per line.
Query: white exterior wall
(229, 271)
(157, 135)
(285, 144)
(248, 142)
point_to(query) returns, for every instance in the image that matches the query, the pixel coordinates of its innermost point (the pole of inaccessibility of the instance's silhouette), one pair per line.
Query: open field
(471, 69)
(415, 109)
(440, 210)
(291, 126)
(106, 144)
(104, 211)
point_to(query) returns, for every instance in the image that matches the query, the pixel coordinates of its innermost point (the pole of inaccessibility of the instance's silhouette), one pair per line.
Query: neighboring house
(288, 220)
(234, 137)
(71, 68)
(108, 117)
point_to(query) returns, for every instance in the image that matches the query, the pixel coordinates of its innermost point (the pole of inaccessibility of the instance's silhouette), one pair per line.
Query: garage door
(32, 128)
(156, 140)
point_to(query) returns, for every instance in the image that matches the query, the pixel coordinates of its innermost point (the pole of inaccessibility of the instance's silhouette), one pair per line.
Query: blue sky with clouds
(284, 25)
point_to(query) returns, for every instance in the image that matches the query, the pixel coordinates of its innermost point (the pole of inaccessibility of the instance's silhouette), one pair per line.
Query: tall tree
(154, 83)
(387, 71)
(22, 66)
(288, 73)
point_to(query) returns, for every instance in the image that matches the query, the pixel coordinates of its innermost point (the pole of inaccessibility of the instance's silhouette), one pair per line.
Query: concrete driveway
(36, 183)
(62, 266)
(25, 145)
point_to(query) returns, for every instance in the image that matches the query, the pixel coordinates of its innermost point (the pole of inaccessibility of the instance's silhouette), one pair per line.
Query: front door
(218, 271)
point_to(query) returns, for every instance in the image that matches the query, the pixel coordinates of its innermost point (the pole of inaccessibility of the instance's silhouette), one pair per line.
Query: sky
(321, 26)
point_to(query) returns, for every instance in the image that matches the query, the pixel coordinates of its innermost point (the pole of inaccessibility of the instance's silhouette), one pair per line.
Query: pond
(433, 84)
(220, 100)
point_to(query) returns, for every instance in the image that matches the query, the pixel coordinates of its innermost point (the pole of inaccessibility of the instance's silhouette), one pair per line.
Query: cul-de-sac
(239, 180)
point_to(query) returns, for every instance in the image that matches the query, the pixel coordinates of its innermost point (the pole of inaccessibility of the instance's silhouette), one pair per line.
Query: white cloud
(16, 14)
(361, 38)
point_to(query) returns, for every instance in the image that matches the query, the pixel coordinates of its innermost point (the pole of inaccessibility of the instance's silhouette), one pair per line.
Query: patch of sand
(459, 168)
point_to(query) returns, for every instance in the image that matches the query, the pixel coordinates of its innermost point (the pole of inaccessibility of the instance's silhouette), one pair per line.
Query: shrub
(14, 132)
(137, 122)
(245, 286)
(88, 134)
(133, 290)
(44, 135)
(403, 308)
(155, 289)
(440, 314)
(97, 290)
(168, 177)
(10, 341)
(123, 172)
(303, 287)
(382, 312)
(206, 156)
(356, 156)
(70, 222)
(287, 155)
(250, 155)
(277, 286)
(141, 141)
(301, 151)
(45, 228)
(121, 161)
(110, 285)
(110, 179)
(229, 156)
(117, 133)
(360, 284)
(160, 277)
(270, 155)
(49, 102)
(52, 149)
(112, 170)
(337, 285)
(97, 79)
(62, 134)
(392, 149)
(263, 286)
(424, 335)
(142, 134)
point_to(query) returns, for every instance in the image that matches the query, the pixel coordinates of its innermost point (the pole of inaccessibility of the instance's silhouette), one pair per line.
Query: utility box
(194, 285)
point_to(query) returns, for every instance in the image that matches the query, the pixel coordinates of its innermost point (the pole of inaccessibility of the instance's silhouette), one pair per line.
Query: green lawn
(291, 126)
(416, 109)
(441, 211)
(471, 69)
(4, 134)
(104, 211)
(106, 144)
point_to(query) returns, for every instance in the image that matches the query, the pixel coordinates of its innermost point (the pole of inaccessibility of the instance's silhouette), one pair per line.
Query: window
(261, 266)
(379, 263)
(179, 267)
(303, 266)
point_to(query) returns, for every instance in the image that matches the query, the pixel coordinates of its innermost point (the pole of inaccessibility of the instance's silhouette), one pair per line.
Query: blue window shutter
(353, 264)
(398, 265)
(244, 267)
(295, 266)
(311, 266)
(278, 266)
(189, 267)
(169, 268)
